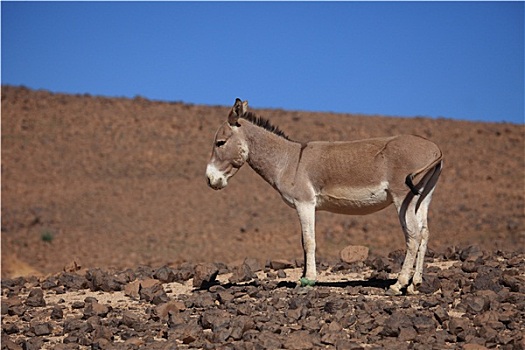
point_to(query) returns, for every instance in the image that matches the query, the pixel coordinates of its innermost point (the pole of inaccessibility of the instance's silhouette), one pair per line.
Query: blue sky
(461, 60)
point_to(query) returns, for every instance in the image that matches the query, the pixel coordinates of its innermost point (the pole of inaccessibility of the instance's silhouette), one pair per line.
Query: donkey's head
(230, 149)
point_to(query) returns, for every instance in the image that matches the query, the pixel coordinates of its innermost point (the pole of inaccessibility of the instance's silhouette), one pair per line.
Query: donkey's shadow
(373, 283)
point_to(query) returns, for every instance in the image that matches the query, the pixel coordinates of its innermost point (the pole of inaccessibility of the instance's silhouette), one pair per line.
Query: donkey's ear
(238, 109)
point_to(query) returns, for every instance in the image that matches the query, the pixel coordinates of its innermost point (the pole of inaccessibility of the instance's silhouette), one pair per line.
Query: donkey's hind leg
(421, 215)
(411, 229)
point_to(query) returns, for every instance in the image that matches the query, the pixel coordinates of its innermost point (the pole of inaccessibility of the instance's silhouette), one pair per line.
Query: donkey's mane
(264, 123)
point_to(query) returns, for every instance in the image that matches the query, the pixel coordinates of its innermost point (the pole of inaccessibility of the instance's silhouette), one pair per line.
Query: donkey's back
(370, 163)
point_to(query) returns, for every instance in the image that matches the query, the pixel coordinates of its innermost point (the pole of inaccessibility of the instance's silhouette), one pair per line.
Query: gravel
(469, 299)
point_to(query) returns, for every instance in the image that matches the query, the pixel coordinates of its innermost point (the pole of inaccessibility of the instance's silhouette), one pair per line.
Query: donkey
(354, 177)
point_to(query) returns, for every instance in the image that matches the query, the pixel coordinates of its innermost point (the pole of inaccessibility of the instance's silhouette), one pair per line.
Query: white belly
(354, 201)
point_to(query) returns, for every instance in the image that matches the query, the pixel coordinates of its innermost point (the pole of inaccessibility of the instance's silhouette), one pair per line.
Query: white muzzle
(216, 178)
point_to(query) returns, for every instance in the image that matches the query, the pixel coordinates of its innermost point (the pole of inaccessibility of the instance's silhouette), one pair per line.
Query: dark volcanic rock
(215, 319)
(94, 308)
(73, 281)
(152, 291)
(242, 273)
(40, 329)
(456, 309)
(423, 324)
(102, 280)
(301, 340)
(36, 298)
(395, 323)
(430, 284)
(471, 253)
(460, 327)
(239, 325)
(132, 320)
(204, 275)
(165, 274)
(280, 264)
(57, 313)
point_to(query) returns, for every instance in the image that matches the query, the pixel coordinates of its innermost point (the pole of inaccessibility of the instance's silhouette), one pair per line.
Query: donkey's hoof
(411, 290)
(305, 282)
(393, 291)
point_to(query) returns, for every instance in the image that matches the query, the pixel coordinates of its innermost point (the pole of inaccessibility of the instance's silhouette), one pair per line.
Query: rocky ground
(470, 299)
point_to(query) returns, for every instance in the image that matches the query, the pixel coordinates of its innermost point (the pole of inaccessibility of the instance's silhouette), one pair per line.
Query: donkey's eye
(220, 143)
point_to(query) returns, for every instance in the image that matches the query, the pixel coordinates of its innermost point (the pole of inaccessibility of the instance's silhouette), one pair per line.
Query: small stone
(215, 319)
(469, 266)
(10, 328)
(36, 298)
(133, 321)
(242, 273)
(41, 329)
(476, 304)
(281, 264)
(299, 340)
(204, 275)
(474, 347)
(395, 323)
(152, 291)
(35, 343)
(459, 327)
(8, 344)
(78, 305)
(163, 310)
(281, 274)
(239, 325)
(101, 280)
(134, 343)
(330, 333)
(225, 297)
(423, 324)
(471, 253)
(165, 274)
(132, 289)
(254, 264)
(57, 313)
(266, 339)
(407, 334)
(73, 281)
(487, 281)
(102, 332)
(354, 253)
(441, 314)
(430, 284)
(184, 272)
(96, 309)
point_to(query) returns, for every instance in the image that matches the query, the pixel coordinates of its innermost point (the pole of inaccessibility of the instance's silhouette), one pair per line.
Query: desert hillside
(116, 182)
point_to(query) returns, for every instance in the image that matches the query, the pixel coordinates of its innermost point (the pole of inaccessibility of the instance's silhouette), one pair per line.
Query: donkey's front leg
(306, 212)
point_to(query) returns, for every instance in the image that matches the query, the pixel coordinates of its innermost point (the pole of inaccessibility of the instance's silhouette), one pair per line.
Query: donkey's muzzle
(215, 186)
(216, 179)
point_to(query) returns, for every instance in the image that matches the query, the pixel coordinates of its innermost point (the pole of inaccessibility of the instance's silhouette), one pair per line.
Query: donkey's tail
(409, 180)
(429, 180)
